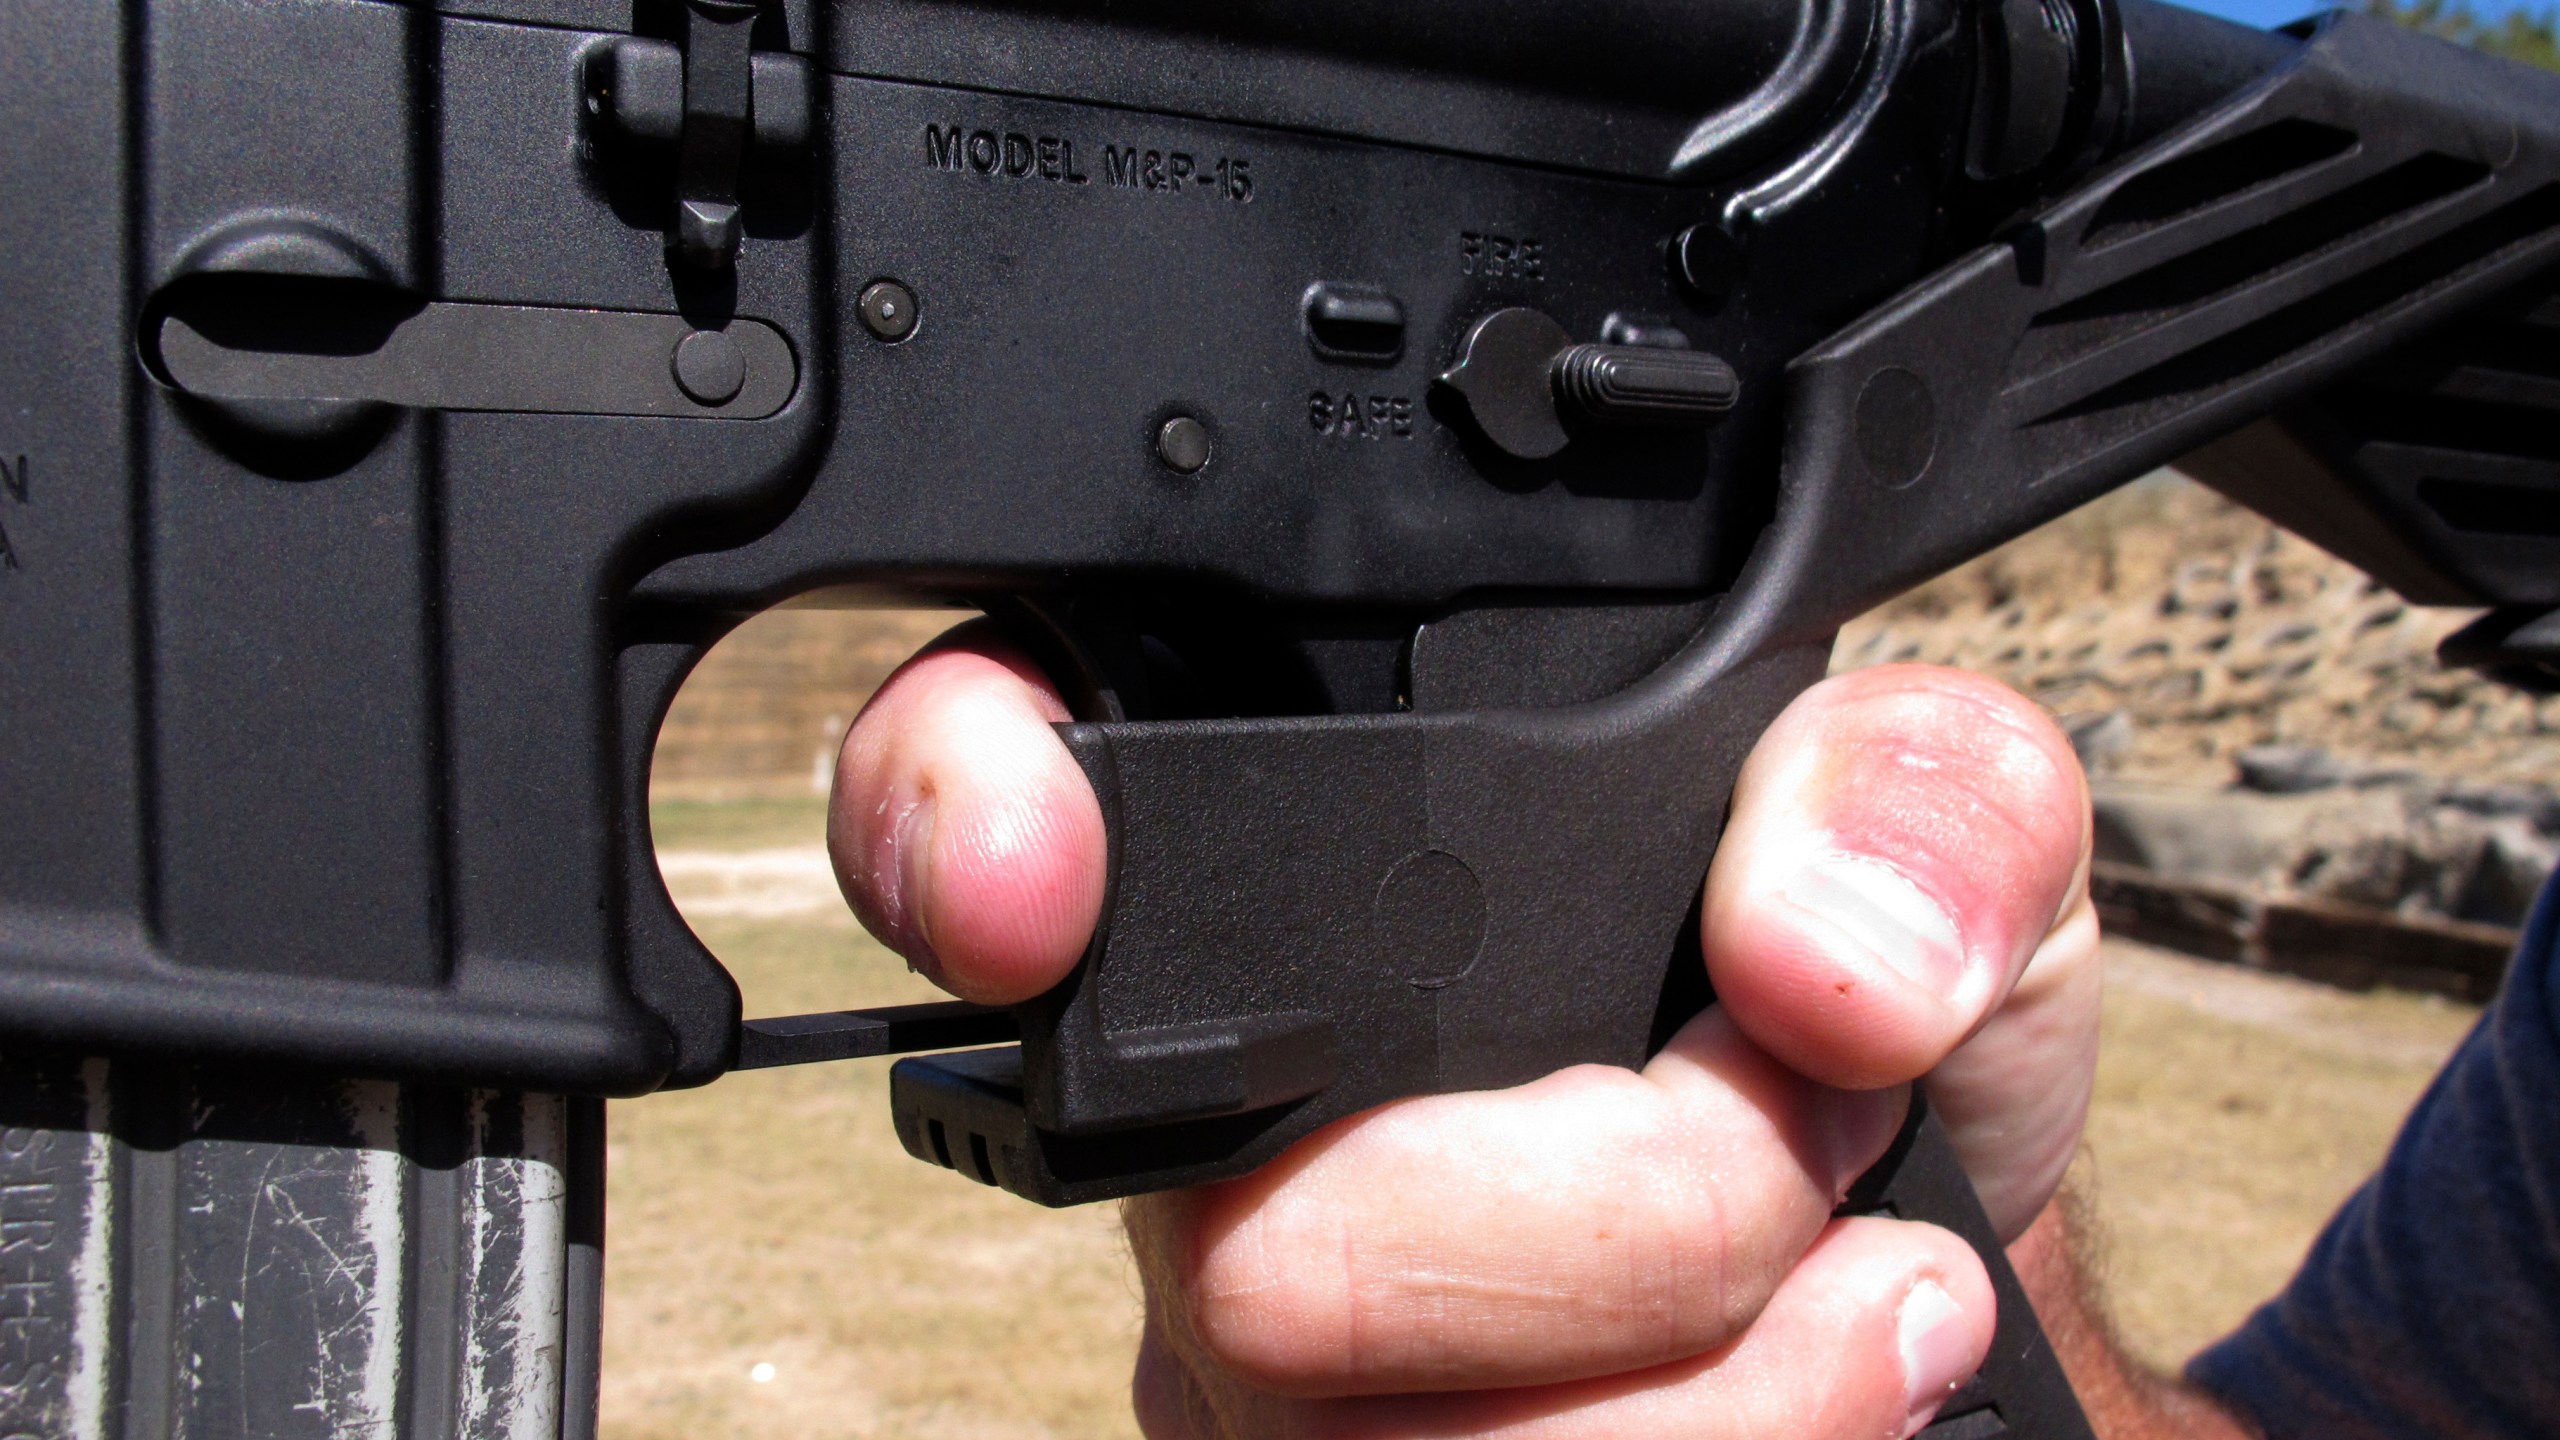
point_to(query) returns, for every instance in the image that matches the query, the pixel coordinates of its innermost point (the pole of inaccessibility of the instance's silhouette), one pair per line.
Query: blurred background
(2315, 845)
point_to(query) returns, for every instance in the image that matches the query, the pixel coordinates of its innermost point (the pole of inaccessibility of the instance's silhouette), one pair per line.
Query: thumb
(1903, 841)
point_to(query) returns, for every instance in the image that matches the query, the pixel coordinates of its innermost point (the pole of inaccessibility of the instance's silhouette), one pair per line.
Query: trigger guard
(1067, 651)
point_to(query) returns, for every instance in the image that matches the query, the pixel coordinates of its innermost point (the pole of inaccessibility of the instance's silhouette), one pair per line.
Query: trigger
(1075, 644)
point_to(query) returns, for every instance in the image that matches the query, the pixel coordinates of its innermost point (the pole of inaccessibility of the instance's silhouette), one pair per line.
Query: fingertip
(1944, 1324)
(1901, 841)
(1912, 1312)
(1803, 952)
(963, 833)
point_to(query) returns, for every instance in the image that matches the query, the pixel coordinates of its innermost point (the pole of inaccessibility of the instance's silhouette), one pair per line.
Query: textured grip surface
(1632, 385)
(2021, 1391)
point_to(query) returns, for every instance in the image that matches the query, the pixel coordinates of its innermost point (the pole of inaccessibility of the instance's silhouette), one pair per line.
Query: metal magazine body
(1431, 447)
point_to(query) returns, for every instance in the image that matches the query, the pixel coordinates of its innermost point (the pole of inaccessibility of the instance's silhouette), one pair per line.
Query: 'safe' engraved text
(1501, 257)
(1361, 417)
(1013, 155)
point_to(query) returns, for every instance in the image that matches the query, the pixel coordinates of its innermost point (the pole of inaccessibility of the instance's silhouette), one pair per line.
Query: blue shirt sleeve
(2430, 1307)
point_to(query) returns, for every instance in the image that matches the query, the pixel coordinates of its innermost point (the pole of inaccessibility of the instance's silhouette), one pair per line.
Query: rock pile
(2208, 630)
(2283, 773)
(2300, 822)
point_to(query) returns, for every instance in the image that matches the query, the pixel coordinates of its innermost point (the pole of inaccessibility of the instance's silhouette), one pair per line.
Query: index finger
(963, 833)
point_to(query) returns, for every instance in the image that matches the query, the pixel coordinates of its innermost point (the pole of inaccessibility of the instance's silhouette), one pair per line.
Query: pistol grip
(965, 1111)
(2020, 1392)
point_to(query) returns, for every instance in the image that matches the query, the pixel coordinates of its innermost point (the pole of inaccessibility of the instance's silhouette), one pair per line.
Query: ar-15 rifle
(1430, 442)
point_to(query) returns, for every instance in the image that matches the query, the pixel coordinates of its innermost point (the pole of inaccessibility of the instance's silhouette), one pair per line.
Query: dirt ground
(772, 1220)
(2235, 1111)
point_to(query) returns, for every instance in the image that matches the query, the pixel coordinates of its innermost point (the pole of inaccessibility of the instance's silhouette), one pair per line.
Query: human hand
(1901, 891)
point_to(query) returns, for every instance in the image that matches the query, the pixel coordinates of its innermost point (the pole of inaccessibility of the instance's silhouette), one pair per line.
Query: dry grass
(772, 1219)
(728, 825)
(762, 714)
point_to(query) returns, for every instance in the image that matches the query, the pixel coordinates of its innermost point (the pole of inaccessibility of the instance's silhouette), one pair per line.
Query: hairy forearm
(2126, 1399)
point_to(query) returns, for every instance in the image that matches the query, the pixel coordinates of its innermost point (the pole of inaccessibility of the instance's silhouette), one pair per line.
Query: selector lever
(1526, 383)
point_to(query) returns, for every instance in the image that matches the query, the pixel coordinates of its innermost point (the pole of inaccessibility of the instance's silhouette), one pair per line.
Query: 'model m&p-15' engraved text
(1058, 160)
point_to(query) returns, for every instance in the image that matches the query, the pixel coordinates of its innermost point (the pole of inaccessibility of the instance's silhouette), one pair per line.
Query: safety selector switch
(1529, 387)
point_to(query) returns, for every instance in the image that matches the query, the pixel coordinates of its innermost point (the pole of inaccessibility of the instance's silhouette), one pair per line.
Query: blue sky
(2267, 14)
